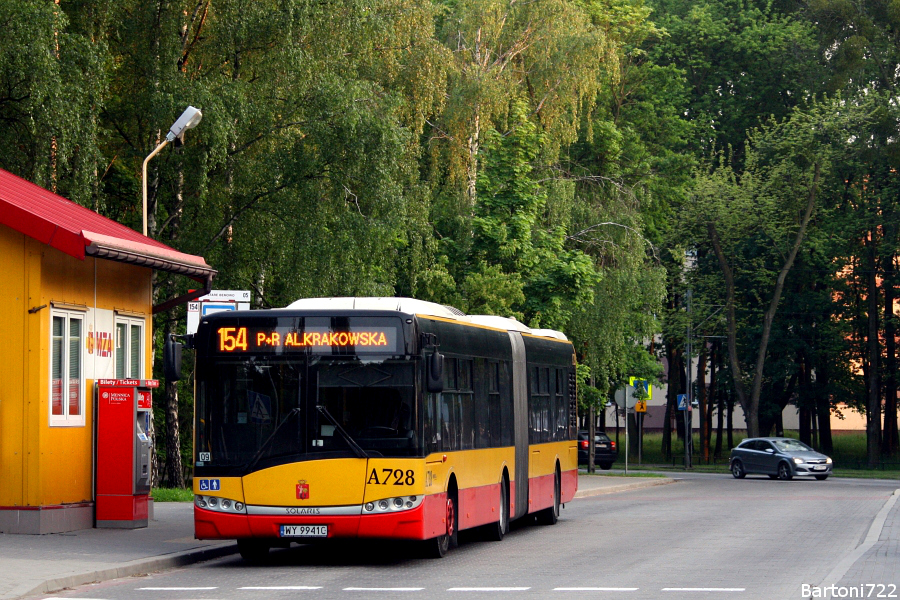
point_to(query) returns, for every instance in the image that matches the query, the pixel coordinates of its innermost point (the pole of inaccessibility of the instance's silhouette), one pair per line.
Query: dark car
(605, 453)
(779, 458)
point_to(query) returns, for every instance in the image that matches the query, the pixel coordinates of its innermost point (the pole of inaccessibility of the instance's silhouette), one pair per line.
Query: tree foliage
(571, 163)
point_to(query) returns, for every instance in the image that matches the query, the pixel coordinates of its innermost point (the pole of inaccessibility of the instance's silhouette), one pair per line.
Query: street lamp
(188, 120)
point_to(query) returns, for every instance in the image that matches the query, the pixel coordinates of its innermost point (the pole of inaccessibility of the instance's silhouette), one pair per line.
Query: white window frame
(66, 420)
(129, 322)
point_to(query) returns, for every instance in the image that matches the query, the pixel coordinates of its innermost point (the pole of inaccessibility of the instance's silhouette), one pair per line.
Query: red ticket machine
(124, 410)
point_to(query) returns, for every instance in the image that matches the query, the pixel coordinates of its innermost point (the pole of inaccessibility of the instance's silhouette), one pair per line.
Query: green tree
(756, 222)
(53, 77)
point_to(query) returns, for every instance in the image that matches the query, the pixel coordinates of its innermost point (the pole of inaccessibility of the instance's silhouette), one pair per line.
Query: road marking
(594, 589)
(704, 589)
(489, 589)
(175, 589)
(389, 589)
(283, 587)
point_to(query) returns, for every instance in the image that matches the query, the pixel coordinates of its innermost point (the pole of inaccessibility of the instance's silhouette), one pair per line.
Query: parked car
(781, 458)
(605, 453)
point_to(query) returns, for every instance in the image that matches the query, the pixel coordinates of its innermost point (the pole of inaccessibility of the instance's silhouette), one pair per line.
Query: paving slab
(39, 564)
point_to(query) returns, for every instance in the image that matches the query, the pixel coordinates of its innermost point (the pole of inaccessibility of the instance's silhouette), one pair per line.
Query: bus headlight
(223, 505)
(392, 504)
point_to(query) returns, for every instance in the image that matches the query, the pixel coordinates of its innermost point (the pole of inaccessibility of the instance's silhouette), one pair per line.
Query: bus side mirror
(172, 360)
(435, 373)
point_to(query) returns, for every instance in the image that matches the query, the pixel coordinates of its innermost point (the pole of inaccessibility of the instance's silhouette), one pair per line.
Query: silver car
(781, 458)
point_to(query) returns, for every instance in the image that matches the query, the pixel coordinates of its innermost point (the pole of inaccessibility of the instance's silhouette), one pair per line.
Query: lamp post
(188, 120)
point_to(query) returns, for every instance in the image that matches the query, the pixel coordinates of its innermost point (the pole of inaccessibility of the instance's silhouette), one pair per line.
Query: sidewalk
(595, 485)
(41, 564)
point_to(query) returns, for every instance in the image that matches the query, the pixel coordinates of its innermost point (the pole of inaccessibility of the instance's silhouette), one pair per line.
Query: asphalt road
(707, 536)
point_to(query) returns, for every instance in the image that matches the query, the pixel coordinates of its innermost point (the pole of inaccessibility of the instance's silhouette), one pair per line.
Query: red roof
(78, 231)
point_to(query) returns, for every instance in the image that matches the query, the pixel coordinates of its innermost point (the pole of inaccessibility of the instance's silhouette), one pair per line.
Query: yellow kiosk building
(76, 293)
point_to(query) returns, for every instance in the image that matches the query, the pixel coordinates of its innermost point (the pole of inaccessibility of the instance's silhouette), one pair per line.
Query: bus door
(520, 422)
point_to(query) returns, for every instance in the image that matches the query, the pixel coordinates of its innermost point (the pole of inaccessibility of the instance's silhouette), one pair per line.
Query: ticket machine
(122, 483)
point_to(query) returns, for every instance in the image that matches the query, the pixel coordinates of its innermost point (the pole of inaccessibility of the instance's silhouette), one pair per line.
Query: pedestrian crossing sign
(682, 401)
(260, 407)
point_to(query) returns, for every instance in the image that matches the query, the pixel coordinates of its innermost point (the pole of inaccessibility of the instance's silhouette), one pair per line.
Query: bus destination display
(269, 339)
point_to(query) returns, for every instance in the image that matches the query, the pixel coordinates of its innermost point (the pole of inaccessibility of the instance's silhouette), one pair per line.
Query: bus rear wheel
(253, 551)
(496, 531)
(549, 516)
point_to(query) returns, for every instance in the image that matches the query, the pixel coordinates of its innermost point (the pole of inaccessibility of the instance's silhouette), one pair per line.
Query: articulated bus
(386, 418)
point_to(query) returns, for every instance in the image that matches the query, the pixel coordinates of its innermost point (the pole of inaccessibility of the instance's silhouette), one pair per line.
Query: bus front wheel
(438, 547)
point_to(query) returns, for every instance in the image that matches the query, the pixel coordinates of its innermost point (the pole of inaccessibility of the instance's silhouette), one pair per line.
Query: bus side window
(546, 421)
(449, 421)
(507, 430)
(551, 406)
(532, 405)
(481, 385)
(467, 405)
(562, 405)
(432, 424)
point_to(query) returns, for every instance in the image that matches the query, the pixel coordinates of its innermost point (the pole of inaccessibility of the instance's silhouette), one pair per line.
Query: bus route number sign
(254, 339)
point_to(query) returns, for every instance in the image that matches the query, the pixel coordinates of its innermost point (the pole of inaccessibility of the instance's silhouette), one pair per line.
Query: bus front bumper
(426, 521)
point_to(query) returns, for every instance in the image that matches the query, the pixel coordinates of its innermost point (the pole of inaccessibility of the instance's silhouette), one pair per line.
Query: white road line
(594, 589)
(704, 589)
(283, 587)
(489, 589)
(387, 589)
(175, 589)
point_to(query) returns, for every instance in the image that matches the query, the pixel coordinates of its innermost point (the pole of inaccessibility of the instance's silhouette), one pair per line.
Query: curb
(872, 537)
(188, 557)
(131, 569)
(624, 487)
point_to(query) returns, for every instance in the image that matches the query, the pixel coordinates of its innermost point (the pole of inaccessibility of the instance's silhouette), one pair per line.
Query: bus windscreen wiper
(268, 443)
(337, 426)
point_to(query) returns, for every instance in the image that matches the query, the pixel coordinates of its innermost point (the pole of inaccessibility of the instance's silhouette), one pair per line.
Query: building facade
(76, 294)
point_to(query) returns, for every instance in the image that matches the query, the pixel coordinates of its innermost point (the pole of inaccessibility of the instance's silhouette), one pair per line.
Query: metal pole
(687, 409)
(592, 434)
(627, 427)
(144, 180)
(639, 417)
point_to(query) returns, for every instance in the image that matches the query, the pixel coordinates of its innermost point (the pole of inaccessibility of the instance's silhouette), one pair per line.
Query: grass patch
(172, 495)
(849, 454)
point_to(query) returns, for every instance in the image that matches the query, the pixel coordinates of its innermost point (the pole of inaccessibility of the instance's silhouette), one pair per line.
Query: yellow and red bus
(384, 418)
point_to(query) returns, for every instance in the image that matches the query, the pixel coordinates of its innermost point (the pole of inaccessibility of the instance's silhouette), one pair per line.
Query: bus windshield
(257, 411)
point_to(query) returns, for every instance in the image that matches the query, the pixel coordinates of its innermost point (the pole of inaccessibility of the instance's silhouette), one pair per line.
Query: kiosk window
(66, 380)
(129, 348)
